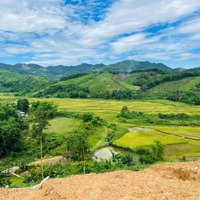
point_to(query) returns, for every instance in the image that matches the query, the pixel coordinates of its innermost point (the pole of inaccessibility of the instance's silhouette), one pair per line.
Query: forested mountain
(50, 71)
(132, 65)
(124, 80)
(30, 69)
(60, 70)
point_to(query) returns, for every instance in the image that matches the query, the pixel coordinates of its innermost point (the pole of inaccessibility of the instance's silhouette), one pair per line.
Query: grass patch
(63, 125)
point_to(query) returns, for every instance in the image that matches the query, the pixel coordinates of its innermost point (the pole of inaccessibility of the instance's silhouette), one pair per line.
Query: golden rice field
(175, 147)
(140, 139)
(106, 108)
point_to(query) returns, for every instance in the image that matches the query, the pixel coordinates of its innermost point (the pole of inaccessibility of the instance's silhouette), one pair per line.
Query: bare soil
(176, 181)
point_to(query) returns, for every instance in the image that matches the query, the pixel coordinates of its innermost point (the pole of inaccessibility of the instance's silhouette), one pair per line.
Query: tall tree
(11, 130)
(78, 146)
(43, 111)
(23, 105)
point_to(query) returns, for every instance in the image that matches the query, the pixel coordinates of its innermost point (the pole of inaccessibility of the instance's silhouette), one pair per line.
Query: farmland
(110, 108)
(176, 146)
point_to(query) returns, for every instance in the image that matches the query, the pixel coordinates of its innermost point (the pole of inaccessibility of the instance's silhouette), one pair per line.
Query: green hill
(124, 80)
(186, 90)
(89, 85)
(183, 85)
(20, 84)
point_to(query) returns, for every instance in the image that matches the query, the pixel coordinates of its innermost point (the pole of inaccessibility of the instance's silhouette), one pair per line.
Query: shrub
(154, 154)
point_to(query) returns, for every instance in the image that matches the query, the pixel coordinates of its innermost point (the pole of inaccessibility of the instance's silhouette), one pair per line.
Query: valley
(172, 135)
(124, 115)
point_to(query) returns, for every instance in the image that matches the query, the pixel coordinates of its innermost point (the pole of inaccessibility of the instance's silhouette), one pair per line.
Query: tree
(125, 113)
(152, 155)
(10, 137)
(87, 117)
(37, 129)
(78, 146)
(42, 112)
(158, 151)
(11, 130)
(123, 159)
(23, 105)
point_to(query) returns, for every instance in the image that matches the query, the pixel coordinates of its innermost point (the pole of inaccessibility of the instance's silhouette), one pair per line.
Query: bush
(154, 154)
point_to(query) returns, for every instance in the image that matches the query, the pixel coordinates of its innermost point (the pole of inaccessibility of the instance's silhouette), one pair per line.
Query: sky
(70, 32)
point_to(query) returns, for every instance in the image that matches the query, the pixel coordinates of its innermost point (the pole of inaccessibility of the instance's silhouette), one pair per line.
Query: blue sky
(71, 32)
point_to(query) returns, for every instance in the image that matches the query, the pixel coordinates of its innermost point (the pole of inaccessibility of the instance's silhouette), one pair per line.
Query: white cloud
(31, 15)
(55, 34)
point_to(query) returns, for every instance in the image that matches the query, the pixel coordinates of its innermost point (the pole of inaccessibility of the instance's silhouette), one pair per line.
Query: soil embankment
(178, 181)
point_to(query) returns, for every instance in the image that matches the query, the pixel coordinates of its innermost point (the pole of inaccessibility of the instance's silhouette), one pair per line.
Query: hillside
(151, 83)
(88, 85)
(186, 90)
(163, 181)
(20, 84)
(124, 80)
(183, 85)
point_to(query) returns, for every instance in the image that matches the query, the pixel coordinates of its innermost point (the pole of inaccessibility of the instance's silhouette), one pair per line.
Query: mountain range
(60, 70)
(124, 80)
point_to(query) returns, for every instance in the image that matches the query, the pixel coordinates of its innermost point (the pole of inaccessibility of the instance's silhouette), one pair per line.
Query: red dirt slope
(176, 181)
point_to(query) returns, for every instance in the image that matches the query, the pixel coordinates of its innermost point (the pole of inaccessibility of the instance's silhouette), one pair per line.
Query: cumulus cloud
(55, 32)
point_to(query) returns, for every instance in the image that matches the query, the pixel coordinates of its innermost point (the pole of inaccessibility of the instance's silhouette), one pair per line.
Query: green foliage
(183, 159)
(87, 117)
(23, 105)
(125, 113)
(65, 169)
(4, 181)
(77, 144)
(170, 77)
(152, 155)
(159, 119)
(43, 110)
(124, 94)
(191, 97)
(123, 159)
(72, 76)
(20, 84)
(11, 130)
(63, 91)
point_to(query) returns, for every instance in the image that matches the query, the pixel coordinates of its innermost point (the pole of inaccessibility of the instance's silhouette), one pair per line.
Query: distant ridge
(60, 70)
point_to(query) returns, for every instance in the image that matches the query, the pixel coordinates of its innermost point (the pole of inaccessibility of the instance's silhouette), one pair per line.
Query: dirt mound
(183, 171)
(164, 181)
